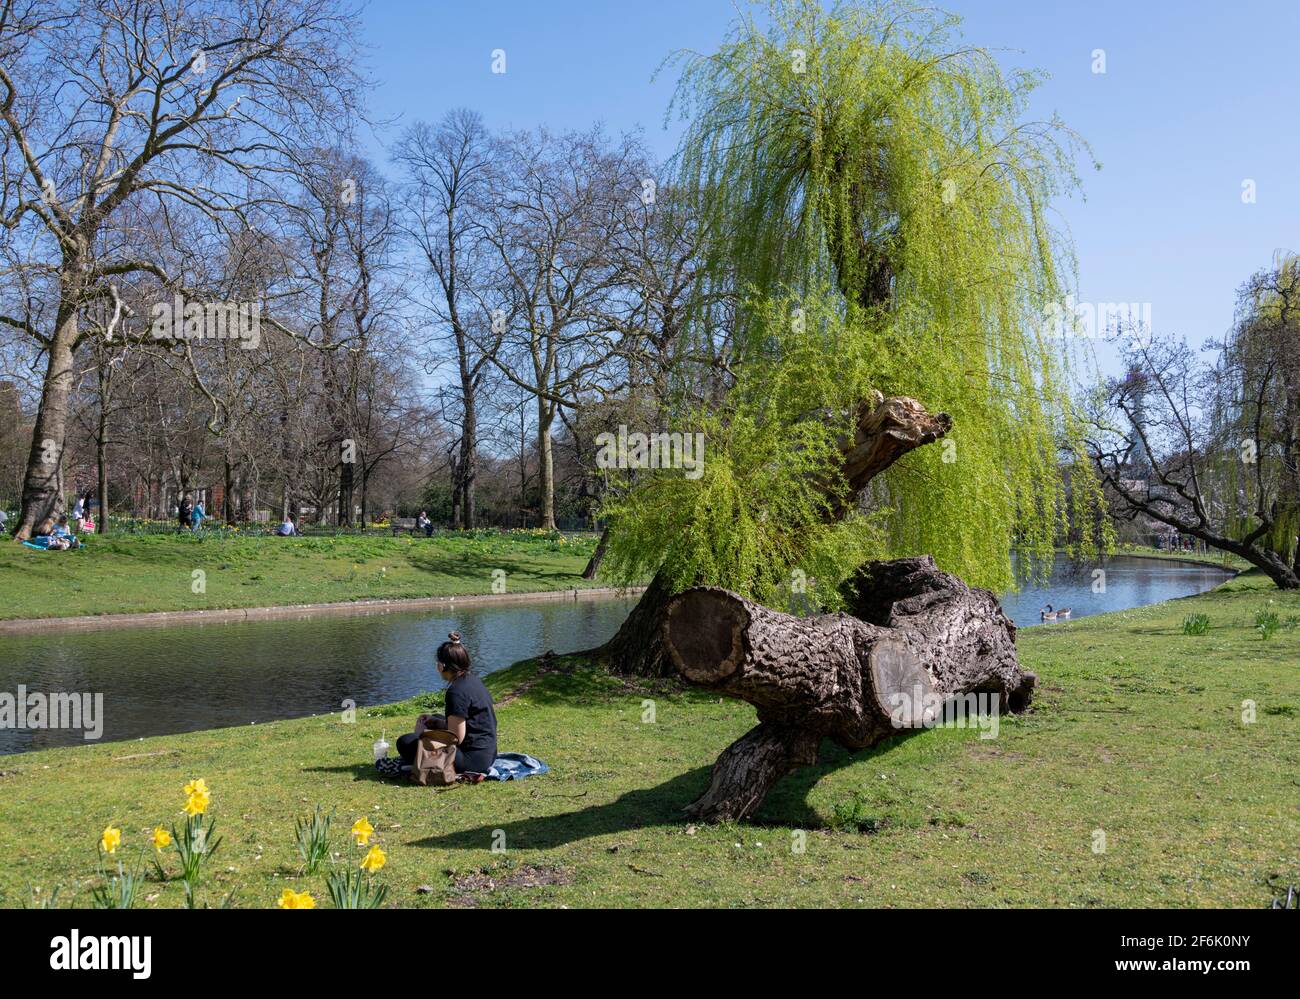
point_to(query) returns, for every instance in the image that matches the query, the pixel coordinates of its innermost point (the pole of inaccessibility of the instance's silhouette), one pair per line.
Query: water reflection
(187, 677)
(1116, 584)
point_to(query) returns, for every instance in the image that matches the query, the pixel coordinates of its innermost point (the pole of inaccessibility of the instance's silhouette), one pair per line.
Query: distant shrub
(1196, 624)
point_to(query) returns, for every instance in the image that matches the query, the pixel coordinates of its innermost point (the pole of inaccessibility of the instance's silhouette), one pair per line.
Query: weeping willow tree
(1256, 419)
(879, 205)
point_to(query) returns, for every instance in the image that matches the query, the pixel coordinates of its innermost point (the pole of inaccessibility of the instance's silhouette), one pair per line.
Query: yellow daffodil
(111, 839)
(198, 786)
(196, 804)
(362, 830)
(161, 838)
(290, 899)
(373, 860)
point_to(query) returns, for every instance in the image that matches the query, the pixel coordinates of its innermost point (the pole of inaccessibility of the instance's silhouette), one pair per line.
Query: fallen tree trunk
(923, 638)
(884, 431)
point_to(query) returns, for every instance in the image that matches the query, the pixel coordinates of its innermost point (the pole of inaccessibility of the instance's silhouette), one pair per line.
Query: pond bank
(1137, 731)
(95, 622)
(145, 574)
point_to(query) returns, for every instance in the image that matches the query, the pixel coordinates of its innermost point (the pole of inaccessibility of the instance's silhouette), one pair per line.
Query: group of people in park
(189, 514)
(57, 533)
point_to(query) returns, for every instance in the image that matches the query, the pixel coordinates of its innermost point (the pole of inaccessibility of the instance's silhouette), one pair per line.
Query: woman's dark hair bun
(453, 654)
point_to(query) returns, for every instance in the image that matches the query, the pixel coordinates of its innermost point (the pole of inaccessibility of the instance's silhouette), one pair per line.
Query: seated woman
(470, 716)
(61, 537)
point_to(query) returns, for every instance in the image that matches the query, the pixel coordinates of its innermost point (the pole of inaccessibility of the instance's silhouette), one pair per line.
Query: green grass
(1211, 557)
(134, 573)
(1137, 731)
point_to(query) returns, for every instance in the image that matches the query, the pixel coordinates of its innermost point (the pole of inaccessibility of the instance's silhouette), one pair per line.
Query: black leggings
(478, 761)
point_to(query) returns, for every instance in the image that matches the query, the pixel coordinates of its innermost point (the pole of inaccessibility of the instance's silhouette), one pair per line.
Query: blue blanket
(42, 542)
(508, 766)
(516, 766)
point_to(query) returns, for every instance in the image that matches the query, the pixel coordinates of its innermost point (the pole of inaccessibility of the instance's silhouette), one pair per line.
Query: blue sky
(1197, 98)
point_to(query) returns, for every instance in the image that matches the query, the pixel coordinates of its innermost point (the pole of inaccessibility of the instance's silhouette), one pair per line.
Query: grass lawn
(125, 573)
(1137, 731)
(1224, 560)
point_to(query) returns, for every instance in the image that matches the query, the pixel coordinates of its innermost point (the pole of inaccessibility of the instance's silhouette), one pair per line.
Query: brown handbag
(435, 758)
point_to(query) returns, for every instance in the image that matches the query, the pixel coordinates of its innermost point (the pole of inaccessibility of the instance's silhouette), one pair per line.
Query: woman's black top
(467, 697)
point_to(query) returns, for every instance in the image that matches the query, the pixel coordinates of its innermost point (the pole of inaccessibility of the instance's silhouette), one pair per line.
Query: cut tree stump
(921, 636)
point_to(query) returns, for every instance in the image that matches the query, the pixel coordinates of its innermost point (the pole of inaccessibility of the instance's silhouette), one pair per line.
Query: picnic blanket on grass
(515, 766)
(42, 542)
(507, 766)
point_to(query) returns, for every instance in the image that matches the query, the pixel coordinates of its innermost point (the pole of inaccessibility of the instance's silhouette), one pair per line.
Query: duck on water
(1049, 613)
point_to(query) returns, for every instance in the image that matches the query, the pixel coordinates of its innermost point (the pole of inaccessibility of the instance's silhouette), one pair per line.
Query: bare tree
(558, 205)
(447, 170)
(109, 105)
(1193, 446)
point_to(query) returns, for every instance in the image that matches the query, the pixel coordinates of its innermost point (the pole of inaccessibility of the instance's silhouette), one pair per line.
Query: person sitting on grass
(61, 538)
(288, 529)
(470, 716)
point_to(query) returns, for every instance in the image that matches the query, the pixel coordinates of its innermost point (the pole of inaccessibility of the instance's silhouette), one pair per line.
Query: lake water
(185, 677)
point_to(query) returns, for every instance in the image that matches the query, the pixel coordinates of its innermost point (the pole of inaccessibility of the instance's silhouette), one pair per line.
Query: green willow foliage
(757, 520)
(872, 196)
(1260, 402)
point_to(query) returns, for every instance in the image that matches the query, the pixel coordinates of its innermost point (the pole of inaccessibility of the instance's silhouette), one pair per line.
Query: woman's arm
(456, 726)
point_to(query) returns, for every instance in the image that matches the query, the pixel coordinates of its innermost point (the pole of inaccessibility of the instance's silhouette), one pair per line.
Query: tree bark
(468, 449)
(884, 431)
(347, 473)
(42, 500)
(636, 650)
(101, 471)
(546, 464)
(230, 503)
(927, 638)
(457, 492)
(597, 557)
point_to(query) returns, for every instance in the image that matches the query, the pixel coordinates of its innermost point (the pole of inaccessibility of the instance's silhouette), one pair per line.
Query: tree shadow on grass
(456, 566)
(659, 806)
(644, 808)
